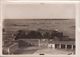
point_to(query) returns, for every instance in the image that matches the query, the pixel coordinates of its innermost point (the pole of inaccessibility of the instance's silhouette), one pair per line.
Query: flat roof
(64, 42)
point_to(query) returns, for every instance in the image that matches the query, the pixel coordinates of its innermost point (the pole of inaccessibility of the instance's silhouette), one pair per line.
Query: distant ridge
(38, 19)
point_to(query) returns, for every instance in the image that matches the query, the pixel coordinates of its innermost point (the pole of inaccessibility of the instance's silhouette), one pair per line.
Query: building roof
(64, 42)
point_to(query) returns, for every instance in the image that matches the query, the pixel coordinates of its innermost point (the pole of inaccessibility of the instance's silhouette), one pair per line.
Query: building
(62, 45)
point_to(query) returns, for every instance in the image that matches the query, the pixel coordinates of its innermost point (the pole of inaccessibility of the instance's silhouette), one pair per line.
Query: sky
(41, 11)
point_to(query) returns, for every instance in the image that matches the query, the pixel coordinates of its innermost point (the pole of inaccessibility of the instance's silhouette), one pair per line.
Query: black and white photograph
(39, 29)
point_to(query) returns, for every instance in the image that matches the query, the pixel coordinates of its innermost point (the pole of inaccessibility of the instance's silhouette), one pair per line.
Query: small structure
(51, 46)
(62, 45)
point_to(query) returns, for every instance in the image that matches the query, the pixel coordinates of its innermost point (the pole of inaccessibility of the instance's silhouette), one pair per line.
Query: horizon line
(43, 19)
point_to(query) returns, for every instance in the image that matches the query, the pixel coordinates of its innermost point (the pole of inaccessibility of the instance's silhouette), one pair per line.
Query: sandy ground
(45, 51)
(53, 51)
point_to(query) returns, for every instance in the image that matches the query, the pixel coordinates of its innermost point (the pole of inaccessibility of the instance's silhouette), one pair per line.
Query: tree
(46, 35)
(56, 35)
(34, 34)
(20, 34)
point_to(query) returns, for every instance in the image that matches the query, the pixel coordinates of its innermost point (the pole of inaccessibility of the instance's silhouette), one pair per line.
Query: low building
(62, 44)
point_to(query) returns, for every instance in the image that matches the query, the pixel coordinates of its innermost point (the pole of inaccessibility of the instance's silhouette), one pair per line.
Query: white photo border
(77, 14)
